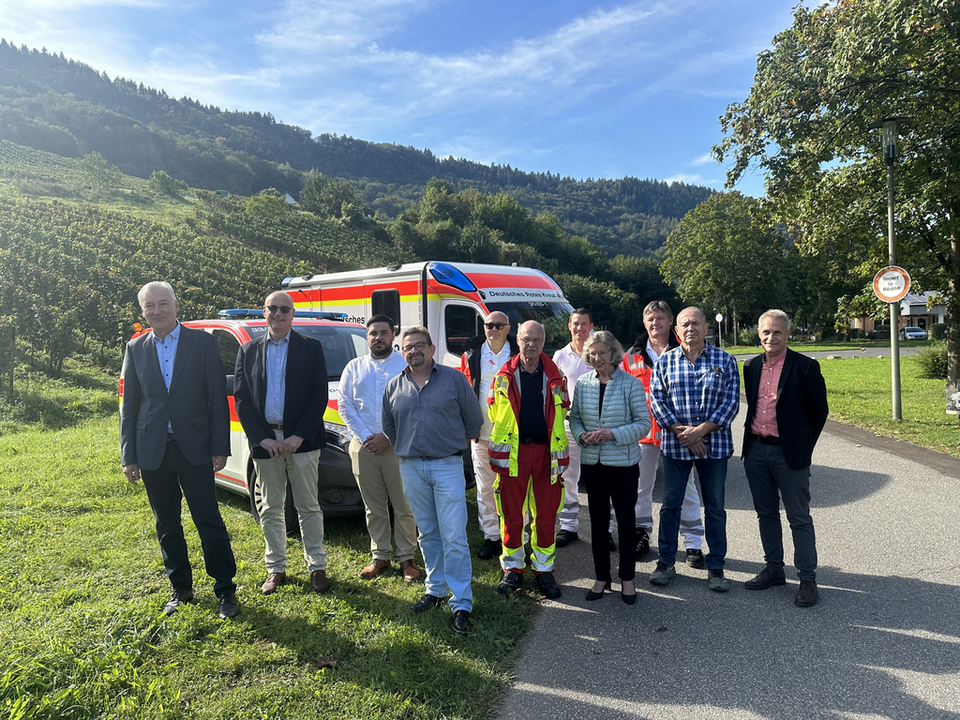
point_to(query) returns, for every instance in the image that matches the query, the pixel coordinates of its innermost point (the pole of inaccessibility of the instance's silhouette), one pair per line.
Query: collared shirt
(572, 366)
(490, 364)
(361, 392)
(532, 423)
(167, 356)
(765, 418)
(167, 353)
(693, 393)
(276, 378)
(433, 421)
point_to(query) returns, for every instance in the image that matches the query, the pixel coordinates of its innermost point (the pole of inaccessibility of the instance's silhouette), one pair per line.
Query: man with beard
(430, 414)
(375, 465)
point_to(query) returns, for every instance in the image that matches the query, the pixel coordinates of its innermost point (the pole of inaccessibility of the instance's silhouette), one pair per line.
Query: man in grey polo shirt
(430, 415)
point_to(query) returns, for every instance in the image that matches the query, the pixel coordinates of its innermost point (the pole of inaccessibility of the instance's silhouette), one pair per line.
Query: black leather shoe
(489, 550)
(807, 594)
(628, 599)
(178, 598)
(565, 537)
(426, 602)
(767, 578)
(461, 622)
(229, 606)
(510, 582)
(547, 585)
(643, 543)
(591, 595)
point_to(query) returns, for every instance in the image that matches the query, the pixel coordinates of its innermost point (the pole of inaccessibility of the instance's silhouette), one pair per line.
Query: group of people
(535, 427)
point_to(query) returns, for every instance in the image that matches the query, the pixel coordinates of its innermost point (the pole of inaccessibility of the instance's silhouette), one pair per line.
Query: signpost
(891, 285)
(720, 331)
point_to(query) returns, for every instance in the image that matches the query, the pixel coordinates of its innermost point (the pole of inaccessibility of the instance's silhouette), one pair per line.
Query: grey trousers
(771, 480)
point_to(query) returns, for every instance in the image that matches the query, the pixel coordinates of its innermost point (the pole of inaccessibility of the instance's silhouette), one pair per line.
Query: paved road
(884, 641)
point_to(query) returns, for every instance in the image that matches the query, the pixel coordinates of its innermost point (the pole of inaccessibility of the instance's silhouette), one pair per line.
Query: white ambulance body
(449, 299)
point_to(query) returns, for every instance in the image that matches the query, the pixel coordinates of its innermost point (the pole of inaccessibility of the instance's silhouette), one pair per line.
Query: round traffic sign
(891, 284)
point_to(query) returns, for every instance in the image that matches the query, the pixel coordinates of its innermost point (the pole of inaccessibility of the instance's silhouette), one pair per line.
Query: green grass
(859, 392)
(82, 634)
(826, 346)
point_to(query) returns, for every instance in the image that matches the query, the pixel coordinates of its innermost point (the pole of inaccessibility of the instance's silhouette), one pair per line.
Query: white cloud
(705, 159)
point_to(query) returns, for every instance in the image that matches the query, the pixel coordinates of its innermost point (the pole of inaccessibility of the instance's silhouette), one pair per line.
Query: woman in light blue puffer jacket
(608, 417)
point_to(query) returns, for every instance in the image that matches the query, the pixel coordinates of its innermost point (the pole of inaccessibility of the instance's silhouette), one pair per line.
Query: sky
(573, 87)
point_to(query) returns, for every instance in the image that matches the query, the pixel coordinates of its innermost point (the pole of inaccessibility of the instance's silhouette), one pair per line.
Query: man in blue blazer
(786, 411)
(280, 391)
(175, 434)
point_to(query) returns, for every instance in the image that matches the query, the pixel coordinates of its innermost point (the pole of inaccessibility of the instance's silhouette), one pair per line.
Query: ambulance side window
(229, 346)
(461, 323)
(386, 302)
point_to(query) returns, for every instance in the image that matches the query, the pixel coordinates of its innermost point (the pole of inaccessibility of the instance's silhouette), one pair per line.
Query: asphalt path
(883, 642)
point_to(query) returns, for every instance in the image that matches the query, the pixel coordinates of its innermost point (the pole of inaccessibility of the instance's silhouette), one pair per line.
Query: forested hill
(65, 107)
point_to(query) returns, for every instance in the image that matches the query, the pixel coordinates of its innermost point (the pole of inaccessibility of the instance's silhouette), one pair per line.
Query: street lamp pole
(889, 155)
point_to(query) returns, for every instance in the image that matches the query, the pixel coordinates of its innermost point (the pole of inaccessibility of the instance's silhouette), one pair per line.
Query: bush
(933, 362)
(749, 338)
(938, 331)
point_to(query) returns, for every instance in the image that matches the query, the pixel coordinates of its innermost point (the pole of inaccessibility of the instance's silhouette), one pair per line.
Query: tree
(326, 197)
(718, 258)
(810, 124)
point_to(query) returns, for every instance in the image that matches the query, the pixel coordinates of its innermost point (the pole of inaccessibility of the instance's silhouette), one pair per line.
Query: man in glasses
(280, 390)
(483, 357)
(430, 414)
(528, 451)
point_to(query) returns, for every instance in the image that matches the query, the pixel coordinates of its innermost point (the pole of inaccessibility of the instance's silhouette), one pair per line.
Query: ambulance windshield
(553, 315)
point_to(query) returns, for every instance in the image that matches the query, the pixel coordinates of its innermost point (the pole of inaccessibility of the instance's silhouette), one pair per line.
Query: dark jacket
(801, 406)
(304, 400)
(470, 360)
(195, 406)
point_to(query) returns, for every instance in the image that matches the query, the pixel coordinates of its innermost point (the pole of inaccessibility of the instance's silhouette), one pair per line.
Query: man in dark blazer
(175, 434)
(280, 390)
(786, 411)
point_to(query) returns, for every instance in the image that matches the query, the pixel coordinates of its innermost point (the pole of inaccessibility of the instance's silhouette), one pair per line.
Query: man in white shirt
(375, 466)
(568, 359)
(482, 358)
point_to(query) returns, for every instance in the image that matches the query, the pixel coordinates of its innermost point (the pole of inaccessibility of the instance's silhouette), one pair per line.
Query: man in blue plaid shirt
(695, 395)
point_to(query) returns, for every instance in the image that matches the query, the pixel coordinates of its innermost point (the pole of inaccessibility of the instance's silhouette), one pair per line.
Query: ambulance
(449, 299)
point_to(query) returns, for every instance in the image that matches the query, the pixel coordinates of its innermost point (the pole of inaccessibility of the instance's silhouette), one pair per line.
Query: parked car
(342, 341)
(913, 333)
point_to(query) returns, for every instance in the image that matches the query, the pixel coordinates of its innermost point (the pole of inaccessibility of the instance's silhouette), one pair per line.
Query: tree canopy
(719, 259)
(811, 124)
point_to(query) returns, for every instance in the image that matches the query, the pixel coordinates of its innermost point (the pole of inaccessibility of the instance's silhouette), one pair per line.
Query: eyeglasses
(598, 353)
(419, 347)
(495, 326)
(530, 341)
(278, 308)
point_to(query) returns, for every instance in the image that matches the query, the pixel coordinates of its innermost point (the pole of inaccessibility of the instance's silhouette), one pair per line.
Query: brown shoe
(318, 578)
(274, 580)
(807, 594)
(374, 569)
(410, 572)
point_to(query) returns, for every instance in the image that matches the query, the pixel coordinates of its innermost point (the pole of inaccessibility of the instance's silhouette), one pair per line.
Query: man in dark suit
(280, 390)
(786, 411)
(175, 434)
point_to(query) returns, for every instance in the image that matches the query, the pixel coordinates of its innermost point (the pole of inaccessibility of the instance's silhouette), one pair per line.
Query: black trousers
(604, 484)
(175, 479)
(772, 480)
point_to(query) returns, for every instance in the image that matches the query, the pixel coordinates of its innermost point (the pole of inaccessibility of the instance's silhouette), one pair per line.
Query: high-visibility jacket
(504, 410)
(638, 363)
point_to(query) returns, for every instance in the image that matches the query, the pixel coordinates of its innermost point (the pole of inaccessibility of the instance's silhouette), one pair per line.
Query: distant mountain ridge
(65, 107)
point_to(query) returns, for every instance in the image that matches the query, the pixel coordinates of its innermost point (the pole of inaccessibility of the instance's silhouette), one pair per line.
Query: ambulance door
(460, 322)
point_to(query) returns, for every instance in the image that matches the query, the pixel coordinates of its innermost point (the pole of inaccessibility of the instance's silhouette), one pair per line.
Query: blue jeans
(713, 477)
(434, 489)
